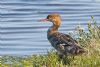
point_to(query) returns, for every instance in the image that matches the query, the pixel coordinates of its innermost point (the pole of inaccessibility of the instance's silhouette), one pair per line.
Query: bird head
(54, 18)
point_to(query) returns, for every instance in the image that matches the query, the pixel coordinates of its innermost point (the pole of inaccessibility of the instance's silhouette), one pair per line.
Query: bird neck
(53, 28)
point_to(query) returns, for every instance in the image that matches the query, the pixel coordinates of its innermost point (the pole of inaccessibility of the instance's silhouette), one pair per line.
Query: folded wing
(65, 44)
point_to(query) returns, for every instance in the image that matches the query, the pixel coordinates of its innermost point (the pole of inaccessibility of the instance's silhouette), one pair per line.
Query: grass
(91, 58)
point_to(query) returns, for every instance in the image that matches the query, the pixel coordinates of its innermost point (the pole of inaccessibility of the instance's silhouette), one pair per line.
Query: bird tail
(74, 49)
(79, 50)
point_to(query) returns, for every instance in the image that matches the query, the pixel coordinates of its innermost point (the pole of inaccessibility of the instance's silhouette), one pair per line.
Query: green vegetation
(91, 58)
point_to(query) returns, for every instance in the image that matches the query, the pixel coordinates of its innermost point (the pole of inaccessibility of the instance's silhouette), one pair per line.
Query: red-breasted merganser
(63, 43)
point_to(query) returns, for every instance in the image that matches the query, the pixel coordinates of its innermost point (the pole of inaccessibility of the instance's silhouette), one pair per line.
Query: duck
(63, 43)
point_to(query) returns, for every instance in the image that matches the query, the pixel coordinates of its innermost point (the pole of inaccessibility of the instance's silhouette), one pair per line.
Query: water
(22, 34)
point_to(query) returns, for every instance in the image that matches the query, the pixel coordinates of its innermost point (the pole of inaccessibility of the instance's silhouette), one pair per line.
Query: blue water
(22, 34)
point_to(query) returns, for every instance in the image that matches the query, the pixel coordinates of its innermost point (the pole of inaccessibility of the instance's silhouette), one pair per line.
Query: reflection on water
(20, 31)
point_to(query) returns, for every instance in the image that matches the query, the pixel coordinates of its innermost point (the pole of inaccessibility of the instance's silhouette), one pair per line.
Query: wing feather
(65, 44)
(66, 39)
(60, 38)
